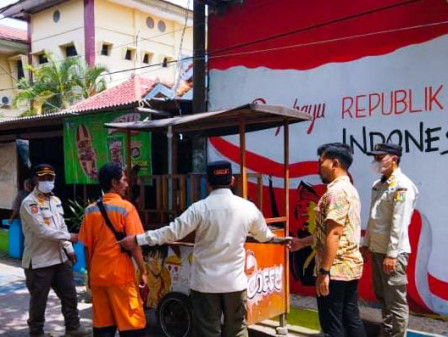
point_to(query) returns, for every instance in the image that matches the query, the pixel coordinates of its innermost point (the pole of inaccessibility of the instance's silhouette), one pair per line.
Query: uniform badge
(400, 195)
(34, 209)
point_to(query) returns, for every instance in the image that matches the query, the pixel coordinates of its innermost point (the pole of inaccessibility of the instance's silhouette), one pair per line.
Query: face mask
(376, 166)
(46, 186)
(382, 166)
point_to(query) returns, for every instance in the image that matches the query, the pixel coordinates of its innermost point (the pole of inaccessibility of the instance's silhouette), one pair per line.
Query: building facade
(13, 59)
(126, 36)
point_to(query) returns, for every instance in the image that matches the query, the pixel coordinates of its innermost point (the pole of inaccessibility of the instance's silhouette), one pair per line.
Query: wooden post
(283, 321)
(243, 170)
(260, 191)
(169, 136)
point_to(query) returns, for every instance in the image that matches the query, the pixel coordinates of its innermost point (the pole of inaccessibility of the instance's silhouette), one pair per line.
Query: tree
(59, 84)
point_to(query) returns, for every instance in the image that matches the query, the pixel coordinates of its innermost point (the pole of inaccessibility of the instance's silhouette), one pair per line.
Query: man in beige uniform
(47, 250)
(393, 202)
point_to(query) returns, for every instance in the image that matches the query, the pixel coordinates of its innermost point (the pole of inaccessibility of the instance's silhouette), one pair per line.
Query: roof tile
(130, 91)
(10, 33)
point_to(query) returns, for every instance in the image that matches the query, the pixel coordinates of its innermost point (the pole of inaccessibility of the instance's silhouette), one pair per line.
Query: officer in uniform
(393, 202)
(47, 251)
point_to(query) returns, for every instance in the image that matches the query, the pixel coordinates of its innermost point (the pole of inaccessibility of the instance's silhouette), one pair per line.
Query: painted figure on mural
(86, 152)
(302, 261)
(159, 278)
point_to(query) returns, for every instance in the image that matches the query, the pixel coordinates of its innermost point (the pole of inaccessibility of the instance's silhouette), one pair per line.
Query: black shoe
(80, 331)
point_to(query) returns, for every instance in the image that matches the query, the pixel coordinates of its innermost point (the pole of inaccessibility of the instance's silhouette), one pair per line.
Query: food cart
(266, 263)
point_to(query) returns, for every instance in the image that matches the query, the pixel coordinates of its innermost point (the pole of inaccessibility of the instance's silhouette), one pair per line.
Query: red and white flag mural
(367, 72)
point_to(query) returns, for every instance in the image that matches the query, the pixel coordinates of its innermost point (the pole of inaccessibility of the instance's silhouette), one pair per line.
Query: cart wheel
(174, 315)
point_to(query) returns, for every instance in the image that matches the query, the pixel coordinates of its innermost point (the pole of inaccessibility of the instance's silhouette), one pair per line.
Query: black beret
(43, 169)
(219, 173)
(386, 148)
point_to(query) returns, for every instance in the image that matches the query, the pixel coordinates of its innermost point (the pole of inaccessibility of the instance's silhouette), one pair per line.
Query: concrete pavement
(14, 299)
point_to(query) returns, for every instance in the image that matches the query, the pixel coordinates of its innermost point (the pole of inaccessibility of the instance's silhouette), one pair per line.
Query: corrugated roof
(34, 121)
(13, 34)
(223, 122)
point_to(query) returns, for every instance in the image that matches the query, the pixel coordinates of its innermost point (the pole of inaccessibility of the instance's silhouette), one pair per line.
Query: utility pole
(199, 145)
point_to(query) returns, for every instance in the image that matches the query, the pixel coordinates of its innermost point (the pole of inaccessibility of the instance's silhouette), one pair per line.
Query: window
(20, 72)
(41, 58)
(129, 54)
(150, 22)
(70, 50)
(56, 16)
(162, 26)
(105, 49)
(147, 58)
(166, 60)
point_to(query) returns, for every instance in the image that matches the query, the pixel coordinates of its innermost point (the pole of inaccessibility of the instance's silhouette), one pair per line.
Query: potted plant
(73, 222)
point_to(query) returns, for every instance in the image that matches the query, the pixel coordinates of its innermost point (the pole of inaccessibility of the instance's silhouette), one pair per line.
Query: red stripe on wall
(261, 164)
(89, 31)
(438, 287)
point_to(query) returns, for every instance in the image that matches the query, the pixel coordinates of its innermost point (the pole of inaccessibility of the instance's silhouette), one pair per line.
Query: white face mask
(382, 166)
(45, 186)
(376, 166)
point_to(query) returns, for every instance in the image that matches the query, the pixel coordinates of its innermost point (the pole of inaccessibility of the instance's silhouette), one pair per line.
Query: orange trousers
(118, 306)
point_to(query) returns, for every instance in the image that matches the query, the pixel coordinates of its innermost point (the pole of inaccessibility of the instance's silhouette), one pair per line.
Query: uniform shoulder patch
(34, 208)
(400, 194)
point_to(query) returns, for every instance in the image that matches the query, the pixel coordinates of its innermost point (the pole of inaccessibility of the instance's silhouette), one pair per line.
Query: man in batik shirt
(336, 242)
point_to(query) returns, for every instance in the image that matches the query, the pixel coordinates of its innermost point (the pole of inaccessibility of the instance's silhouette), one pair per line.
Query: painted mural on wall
(366, 73)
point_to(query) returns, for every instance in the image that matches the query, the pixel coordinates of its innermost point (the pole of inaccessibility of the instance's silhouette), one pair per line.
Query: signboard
(169, 271)
(88, 145)
(364, 79)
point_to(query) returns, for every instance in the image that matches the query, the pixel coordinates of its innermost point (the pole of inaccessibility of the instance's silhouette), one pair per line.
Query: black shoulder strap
(118, 235)
(100, 204)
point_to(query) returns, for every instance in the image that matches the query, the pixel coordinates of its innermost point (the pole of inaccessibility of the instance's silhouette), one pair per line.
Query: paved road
(14, 300)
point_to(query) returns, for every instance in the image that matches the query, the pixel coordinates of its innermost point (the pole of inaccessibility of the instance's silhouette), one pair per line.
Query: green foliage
(77, 208)
(59, 84)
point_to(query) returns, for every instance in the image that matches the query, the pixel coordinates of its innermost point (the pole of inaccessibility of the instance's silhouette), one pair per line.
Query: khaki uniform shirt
(222, 222)
(393, 202)
(46, 235)
(342, 205)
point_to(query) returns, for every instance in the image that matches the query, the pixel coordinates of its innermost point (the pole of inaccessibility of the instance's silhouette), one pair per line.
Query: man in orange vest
(115, 296)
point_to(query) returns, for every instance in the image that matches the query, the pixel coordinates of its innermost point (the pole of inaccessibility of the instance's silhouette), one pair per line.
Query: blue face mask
(45, 186)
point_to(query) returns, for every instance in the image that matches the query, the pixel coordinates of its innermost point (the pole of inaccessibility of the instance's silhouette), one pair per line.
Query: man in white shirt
(393, 202)
(218, 283)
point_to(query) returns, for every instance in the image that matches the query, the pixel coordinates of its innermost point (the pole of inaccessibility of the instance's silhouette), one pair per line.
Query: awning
(223, 122)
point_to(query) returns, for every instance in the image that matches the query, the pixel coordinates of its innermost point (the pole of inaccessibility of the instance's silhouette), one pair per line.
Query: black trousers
(39, 281)
(339, 313)
(209, 308)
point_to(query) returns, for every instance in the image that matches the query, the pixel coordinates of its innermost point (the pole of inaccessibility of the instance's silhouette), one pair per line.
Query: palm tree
(57, 85)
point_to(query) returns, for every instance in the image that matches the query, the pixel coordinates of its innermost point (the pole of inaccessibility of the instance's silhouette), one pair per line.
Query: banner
(88, 145)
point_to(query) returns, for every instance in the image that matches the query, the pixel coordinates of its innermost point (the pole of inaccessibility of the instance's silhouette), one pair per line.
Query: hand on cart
(283, 240)
(299, 243)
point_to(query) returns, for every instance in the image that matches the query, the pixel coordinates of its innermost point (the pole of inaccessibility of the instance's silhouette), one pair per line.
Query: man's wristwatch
(323, 271)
